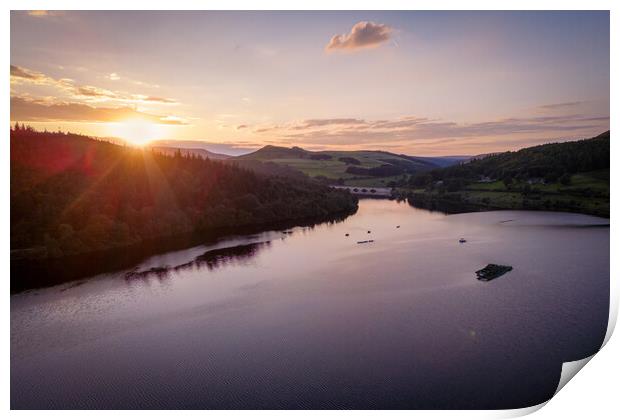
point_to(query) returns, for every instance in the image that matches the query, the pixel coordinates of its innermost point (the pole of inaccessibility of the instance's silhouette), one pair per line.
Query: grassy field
(336, 169)
(487, 186)
(332, 169)
(314, 164)
(562, 202)
(586, 193)
(371, 182)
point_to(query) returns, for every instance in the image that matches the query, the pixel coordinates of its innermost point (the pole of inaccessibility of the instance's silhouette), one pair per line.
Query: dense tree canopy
(548, 161)
(72, 194)
(569, 176)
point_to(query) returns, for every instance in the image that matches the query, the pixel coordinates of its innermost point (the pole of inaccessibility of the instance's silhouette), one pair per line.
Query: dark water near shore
(38, 273)
(312, 319)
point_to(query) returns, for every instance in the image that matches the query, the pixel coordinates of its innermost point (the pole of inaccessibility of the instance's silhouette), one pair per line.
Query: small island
(492, 271)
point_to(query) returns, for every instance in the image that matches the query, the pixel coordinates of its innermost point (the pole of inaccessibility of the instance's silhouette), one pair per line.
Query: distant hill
(365, 167)
(222, 148)
(203, 153)
(73, 194)
(270, 152)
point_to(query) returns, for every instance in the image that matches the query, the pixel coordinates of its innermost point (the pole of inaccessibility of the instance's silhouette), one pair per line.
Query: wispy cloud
(159, 99)
(326, 122)
(44, 13)
(87, 93)
(21, 75)
(412, 131)
(45, 110)
(362, 35)
(561, 105)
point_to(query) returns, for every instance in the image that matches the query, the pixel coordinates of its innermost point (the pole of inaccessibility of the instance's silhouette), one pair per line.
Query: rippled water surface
(312, 319)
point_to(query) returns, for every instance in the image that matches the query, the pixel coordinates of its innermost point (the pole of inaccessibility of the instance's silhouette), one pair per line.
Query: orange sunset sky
(421, 83)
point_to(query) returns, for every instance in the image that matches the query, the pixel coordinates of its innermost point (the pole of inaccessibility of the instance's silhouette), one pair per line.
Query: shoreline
(28, 273)
(453, 203)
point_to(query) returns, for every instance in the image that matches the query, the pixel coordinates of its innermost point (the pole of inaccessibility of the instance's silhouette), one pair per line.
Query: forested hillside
(570, 176)
(171, 150)
(72, 194)
(548, 161)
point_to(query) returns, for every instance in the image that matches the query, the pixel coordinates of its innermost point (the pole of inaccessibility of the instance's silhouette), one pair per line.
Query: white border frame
(592, 394)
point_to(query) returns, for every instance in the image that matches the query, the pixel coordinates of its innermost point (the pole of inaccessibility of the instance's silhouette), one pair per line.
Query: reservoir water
(312, 319)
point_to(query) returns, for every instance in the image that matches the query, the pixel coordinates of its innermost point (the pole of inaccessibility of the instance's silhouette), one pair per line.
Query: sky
(421, 83)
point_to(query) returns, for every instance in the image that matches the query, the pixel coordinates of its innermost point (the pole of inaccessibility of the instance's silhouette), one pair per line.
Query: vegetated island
(211, 260)
(73, 194)
(571, 176)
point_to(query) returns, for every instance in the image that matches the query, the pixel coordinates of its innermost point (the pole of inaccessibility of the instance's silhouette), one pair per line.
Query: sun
(137, 131)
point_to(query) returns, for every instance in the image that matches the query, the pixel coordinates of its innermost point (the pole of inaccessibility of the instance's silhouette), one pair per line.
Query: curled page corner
(518, 412)
(570, 369)
(613, 315)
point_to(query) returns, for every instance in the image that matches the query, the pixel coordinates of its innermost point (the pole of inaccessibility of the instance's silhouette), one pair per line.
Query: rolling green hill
(369, 168)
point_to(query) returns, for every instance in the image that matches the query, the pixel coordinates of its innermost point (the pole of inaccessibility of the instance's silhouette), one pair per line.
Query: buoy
(368, 231)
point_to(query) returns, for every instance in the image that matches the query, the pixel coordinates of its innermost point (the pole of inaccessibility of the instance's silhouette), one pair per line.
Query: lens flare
(137, 132)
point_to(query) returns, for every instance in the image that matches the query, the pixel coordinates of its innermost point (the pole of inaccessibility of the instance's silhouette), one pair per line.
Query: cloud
(413, 132)
(561, 105)
(362, 35)
(330, 121)
(308, 124)
(42, 110)
(44, 13)
(155, 99)
(94, 92)
(113, 76)
(21, 75)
